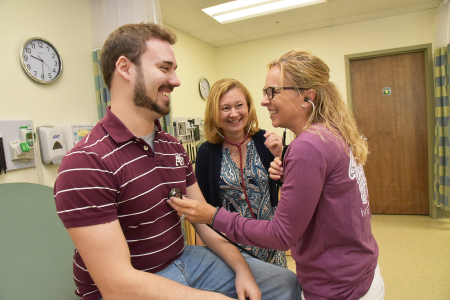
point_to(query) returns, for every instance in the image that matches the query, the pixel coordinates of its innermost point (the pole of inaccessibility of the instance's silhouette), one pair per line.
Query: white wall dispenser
(52, 144)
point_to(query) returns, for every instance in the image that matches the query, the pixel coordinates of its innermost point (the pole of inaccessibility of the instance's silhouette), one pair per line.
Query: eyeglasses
(269, 91)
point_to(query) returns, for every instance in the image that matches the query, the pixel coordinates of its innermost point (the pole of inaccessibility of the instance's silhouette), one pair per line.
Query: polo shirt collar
(117, 130)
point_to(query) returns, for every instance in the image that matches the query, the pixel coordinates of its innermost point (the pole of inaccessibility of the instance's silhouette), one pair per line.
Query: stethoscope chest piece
(175, 192)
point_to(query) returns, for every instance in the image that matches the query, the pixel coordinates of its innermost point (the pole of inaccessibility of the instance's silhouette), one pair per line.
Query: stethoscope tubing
(176, 192)
(283, 152)
(233, 243)
(238, 145)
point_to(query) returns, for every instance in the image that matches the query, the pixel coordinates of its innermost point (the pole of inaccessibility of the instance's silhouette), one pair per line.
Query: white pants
(376, 290)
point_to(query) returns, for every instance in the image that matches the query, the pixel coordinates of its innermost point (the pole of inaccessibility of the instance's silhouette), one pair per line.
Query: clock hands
(44, 63)
(36, 57)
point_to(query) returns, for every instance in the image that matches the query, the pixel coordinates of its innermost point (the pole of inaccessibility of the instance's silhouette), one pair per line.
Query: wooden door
(395, 124)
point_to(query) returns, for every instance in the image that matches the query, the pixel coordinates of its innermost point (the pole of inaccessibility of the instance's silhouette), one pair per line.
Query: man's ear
(123, 68)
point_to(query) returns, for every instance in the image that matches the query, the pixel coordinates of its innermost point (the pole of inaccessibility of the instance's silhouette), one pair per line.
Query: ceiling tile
(214, 34)
(382, 14)
(277, 21)
(191, 21)
(347, 8)
(228, 42)
(293, 29)
(207, 3)
(186, 16)
(174, 7)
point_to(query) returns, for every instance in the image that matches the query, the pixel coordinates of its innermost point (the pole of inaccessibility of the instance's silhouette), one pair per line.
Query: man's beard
(141, 98)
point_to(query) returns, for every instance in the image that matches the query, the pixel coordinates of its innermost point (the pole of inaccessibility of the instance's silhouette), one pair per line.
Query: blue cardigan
(208, 163)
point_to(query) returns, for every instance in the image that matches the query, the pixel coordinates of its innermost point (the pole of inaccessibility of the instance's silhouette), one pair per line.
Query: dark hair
(129, 41)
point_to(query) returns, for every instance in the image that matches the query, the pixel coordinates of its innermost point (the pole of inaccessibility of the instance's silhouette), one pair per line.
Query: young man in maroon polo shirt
(112, 188)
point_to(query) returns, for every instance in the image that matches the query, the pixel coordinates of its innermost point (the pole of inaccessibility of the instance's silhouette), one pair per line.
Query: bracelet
(215, 214)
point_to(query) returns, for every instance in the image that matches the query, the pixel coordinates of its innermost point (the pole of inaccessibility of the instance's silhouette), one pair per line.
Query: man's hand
(276, 171)
(200, 211)
(195, 211)
(273, 143)
(246, 287)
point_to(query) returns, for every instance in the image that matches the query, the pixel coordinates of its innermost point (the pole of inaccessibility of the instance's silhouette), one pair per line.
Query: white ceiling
(187, 16)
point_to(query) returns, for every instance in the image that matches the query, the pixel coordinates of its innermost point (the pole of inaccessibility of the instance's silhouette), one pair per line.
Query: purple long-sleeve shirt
(323, 216)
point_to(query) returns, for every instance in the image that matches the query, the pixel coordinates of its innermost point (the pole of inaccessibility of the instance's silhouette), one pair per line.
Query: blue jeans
(202, 269)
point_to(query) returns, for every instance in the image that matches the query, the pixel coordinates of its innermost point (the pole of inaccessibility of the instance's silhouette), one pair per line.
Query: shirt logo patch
(179, 161)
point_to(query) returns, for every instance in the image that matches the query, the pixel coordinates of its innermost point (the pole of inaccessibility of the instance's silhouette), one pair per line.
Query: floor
(414, 256)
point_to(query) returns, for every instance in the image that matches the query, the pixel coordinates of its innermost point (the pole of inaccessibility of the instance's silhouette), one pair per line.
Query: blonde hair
(307, 71)
(212, 122)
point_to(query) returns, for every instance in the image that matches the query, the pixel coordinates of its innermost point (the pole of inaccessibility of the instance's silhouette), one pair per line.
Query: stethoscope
(283, 153)
(176, 192)
(238, 145)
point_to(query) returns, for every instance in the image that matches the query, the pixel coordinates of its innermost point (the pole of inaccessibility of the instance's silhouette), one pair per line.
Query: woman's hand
(276, 171)
(195, 211)
(273, 143)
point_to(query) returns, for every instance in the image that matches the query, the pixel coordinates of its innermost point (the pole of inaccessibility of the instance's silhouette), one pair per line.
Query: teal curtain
(102, 94)
(442, 129)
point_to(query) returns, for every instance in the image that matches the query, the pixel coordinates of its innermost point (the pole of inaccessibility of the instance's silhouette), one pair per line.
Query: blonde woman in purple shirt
(323, 213)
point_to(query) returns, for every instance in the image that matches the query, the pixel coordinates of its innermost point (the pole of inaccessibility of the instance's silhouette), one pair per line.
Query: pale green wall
(196, 60)
(248, 62)
(67, 24)
(71, 99)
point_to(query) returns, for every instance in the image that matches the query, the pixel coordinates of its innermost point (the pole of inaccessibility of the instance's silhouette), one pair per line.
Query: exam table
(36, 252)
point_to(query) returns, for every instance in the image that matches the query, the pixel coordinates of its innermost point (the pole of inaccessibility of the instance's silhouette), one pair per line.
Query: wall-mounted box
(52, 144)
(11, 131)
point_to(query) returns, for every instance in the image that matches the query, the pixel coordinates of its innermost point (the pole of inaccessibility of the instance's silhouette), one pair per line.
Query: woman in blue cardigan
(238, 151)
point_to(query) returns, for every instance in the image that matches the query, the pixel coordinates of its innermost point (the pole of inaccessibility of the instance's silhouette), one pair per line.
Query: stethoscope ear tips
(175, 192)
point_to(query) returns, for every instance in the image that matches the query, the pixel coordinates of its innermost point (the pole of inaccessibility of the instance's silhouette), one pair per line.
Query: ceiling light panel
(244, 9)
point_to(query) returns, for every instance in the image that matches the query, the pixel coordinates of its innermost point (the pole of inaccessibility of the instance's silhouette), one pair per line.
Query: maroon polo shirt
(112, 174)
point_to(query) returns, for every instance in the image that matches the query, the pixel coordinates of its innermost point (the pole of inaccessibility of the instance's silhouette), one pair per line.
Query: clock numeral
(56, 63)
(25, 58)
(35, 73)
(48, 48)
(33, 45)
(40, 44)
(28, 50)
(54, 70)
(53, 55)
(42, 76)
(28, 67)
(50, 75)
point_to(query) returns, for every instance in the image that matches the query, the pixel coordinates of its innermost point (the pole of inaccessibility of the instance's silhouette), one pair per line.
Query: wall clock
(204, 88)
(40, 60)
